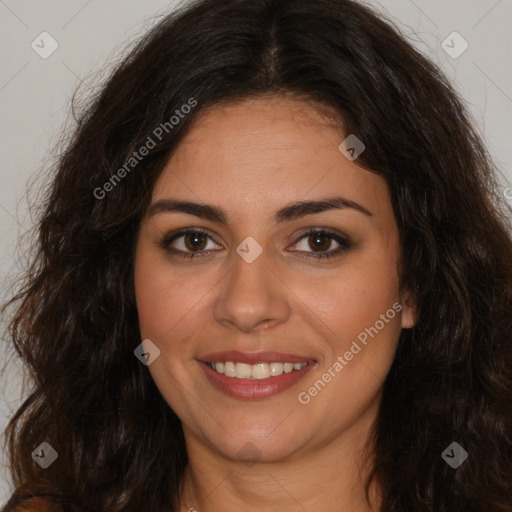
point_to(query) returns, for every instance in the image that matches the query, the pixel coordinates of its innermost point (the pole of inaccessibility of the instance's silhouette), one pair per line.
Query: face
(290, 256)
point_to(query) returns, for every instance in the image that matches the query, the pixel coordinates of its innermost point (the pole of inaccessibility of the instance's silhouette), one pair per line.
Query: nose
(251, 297)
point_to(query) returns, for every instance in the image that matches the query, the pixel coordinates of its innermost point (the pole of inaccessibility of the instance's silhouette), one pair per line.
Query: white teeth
(254, 371)
(260, 371)
(276, 369)
(288, 367)
(229, 369)
(242, 371)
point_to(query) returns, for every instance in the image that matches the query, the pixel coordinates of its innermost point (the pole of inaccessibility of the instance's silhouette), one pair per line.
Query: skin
(253, 158)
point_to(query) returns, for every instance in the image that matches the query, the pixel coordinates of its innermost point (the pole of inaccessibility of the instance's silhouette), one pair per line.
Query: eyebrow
(289, 212)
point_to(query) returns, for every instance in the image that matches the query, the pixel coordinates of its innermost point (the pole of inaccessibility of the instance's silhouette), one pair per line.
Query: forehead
(263, 132)
(266, 152)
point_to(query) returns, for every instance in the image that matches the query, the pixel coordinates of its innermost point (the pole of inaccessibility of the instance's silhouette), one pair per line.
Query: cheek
(165, 305)
(360, 309)
(353, 297)
(165, 298)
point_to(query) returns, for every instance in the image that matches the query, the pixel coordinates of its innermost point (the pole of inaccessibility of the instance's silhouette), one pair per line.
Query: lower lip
(254, 388)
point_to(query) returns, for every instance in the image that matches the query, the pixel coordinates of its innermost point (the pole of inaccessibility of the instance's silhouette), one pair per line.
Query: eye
(189, 241)
(192, 242)
(321, 240)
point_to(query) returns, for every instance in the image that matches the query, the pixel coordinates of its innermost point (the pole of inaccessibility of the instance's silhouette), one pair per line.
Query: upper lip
(253, 357)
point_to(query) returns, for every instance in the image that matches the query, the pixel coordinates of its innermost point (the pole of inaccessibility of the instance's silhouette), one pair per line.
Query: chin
(263, 443)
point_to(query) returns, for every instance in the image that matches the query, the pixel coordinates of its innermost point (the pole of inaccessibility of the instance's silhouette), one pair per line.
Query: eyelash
(344, 242)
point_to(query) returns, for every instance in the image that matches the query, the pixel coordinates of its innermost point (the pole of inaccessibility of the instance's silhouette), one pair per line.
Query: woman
(341, 338)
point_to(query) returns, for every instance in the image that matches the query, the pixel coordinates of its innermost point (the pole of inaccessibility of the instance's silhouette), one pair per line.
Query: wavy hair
(74, 319)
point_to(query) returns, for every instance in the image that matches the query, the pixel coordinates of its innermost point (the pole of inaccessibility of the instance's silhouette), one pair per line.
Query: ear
(409, 311)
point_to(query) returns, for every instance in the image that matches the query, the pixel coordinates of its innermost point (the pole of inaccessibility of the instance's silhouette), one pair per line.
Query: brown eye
(320, 241)
(195, 241)
(189, 243)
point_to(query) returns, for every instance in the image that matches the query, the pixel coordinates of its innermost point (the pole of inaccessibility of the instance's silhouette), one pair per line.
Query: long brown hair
(74, 319)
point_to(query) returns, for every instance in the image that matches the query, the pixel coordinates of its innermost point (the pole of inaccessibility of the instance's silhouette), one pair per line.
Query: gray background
(35, 93)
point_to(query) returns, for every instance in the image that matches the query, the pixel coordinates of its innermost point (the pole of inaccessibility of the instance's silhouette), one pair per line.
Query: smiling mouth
(255, 381)
(259, 371)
